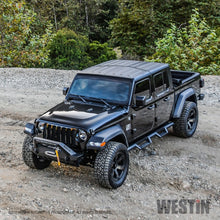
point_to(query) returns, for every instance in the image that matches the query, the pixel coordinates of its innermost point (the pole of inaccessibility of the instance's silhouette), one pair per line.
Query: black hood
(82, 115)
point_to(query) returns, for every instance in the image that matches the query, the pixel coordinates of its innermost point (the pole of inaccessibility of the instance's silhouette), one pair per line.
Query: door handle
(166, 99)
(151, 107)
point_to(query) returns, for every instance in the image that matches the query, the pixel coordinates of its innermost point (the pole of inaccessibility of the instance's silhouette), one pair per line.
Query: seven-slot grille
(61, 134)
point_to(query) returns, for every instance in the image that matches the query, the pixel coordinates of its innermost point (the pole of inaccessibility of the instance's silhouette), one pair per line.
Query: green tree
(19, 46)
(99, 29)
(86, 17)
(50, 10)
(140, 22)
(133, 31)
(99, 53)
(69, 50)
(195, 47)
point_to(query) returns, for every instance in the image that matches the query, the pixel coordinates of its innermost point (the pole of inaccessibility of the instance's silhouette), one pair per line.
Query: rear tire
(111, 165)
(31, 159)
(186, 125)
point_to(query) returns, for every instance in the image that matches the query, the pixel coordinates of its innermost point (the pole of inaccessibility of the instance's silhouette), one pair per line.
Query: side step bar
(144, 142)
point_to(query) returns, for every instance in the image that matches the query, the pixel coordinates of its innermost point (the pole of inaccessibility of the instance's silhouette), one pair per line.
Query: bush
(194, 48)
(20, 45)
(99, 53)
(69, 50)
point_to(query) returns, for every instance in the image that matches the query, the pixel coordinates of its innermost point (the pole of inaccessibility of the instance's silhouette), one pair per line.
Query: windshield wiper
(79, 96)
(106, 103)
(98, 99)
(91, 99)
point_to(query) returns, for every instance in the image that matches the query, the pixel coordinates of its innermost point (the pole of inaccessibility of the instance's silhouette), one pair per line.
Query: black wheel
(31, 159)
(186, 125)
(111, 165)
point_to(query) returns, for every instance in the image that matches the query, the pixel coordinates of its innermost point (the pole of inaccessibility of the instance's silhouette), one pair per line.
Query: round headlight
(41, 126)
(82, 135)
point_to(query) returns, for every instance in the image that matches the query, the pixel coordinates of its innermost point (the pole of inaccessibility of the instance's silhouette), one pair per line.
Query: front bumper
(46, 148)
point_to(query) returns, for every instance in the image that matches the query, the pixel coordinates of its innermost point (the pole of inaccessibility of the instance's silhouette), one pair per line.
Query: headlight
(41, 126)
(82, 135)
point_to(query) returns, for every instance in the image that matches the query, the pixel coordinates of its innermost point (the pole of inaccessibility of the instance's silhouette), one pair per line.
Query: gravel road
(181, 169)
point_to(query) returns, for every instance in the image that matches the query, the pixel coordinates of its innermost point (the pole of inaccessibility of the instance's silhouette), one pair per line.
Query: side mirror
(140, 101)
(65, 90)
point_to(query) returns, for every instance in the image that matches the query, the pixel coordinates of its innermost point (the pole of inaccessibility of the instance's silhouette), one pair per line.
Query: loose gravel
(181, 168)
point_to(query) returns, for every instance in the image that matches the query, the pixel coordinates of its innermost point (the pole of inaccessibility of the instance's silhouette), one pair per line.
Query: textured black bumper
(46, 149)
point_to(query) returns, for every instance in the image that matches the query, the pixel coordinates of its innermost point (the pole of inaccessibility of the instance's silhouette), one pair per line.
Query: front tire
(111, 165)
(31, 159)
(186, 125)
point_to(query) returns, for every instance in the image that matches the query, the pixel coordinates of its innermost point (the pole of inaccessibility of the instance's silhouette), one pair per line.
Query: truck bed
(181, 77)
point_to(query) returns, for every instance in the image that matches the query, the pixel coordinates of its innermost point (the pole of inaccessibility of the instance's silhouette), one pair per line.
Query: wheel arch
(114, 133)
(120, 138)
(192, 98)
(187, 95)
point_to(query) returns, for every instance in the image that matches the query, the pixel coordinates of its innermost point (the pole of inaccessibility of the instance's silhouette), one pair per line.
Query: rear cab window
(143, 88)
(161, 83)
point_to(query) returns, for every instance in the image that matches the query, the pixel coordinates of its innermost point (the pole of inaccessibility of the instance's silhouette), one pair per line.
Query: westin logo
(183, 206)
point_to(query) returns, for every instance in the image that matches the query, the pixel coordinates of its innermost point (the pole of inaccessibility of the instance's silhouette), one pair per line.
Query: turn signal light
(102, 144)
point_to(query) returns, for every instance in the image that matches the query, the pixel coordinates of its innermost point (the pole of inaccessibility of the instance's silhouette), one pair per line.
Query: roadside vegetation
(74, 34)
(194, 47)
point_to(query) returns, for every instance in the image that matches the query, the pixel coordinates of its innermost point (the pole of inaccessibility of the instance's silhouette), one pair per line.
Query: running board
(144, 142)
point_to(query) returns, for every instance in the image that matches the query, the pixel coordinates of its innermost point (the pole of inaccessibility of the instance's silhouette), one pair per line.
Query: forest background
(74, 34)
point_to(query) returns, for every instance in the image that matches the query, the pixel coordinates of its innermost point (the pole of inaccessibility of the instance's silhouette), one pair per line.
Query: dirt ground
(181, 168)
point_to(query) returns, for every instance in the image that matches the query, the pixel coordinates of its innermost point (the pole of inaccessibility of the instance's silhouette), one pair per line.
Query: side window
(143, 88)
(161, 82)
(166, 79)
(158, 83)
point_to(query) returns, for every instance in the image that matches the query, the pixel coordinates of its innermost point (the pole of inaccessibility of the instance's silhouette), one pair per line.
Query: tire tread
(179, 127)
(29, 158)
(103, 161)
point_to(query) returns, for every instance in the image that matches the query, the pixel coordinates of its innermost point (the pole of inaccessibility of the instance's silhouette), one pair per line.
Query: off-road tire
(31, 159)
(186, 125)
(111, 165)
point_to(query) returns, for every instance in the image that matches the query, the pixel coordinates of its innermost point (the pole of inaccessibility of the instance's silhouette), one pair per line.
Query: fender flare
(183, 96)
(104, 136)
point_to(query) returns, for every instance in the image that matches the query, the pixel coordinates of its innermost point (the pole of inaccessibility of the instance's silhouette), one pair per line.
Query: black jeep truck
(110, 109)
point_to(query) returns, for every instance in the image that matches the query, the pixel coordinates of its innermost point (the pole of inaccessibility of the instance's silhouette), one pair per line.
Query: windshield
(114, 90)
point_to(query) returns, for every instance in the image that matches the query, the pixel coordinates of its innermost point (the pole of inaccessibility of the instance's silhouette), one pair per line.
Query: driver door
(143, 116)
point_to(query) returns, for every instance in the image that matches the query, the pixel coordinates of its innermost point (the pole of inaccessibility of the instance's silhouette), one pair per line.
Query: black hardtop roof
(130, 69)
